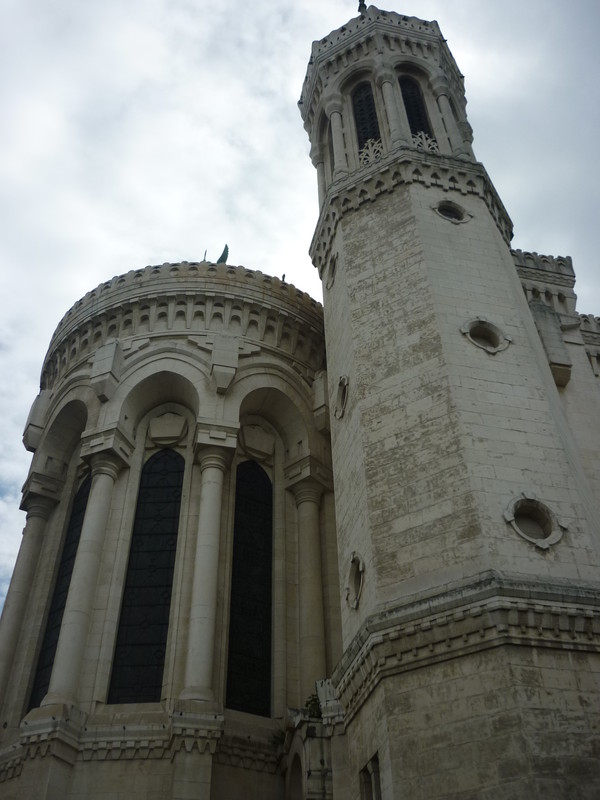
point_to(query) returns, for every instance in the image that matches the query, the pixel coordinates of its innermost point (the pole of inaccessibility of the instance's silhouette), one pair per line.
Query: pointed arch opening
(250, 614)
(139, 658)
(365, 115)
(415, 106)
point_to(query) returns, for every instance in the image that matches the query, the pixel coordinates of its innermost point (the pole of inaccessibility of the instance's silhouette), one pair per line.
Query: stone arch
(155, 384)
(62, 436)
(280, 403)
(295, 788)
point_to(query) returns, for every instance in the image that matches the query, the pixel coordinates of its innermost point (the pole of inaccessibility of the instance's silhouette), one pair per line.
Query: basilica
(279, 550)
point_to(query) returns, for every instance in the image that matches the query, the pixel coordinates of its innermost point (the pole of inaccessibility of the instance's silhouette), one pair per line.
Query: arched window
(365, 115)
(249, 659)
(415, 106)
(139, 659)
(59, 596)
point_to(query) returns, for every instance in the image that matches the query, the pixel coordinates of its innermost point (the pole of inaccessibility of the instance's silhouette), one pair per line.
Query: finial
(362, 7)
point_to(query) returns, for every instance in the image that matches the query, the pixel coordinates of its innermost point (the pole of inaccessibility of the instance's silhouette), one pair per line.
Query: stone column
(400, 134)
(214, 462)
(64, 681)
(456, 142)
(312, 624)
(334, 112)
(38, 512)
(318, 161)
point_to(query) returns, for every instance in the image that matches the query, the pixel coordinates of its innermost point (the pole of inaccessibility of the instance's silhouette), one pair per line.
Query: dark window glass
(139, 658)
(415, 106)
(59, 596)
(365, 116)
(249, 661)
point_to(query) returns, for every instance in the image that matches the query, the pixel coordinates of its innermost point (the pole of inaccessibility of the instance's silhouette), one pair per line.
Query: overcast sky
(146, 131)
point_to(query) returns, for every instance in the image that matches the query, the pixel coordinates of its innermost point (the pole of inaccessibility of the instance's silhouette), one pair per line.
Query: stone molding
(183, 299)
(402, 167)
(556, 269)
(59, 736)
(490, 612)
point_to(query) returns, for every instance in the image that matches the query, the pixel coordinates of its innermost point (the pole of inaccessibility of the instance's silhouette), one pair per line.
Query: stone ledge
(401, 167)
(491, 611)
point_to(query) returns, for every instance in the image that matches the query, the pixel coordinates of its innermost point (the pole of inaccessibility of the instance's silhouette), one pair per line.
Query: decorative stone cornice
(401, 167)
(59, 735)
(489, 612)
(176, 301)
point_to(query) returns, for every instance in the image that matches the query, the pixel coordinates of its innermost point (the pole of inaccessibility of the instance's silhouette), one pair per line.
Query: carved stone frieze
(492, 612)
(174, 304)
(400, 167)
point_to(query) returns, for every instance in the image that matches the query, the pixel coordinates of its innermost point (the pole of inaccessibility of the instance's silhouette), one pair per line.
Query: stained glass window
(139, 659)
(249, 659)
(59, 596)
(415, 106)
(365, 116)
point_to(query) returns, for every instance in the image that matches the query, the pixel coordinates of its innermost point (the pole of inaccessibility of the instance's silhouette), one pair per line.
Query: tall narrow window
(415, 106)
(59, 596)
(370, 784)
(249, 661)
(139, 658)
(365, 116)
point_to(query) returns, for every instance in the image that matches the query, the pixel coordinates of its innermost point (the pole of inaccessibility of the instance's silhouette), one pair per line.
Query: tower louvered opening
(415, 106)
(365, 115)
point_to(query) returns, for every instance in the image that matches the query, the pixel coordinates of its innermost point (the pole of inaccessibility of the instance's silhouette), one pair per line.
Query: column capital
(333, 104)
(308, 471)
(316, 154)
(109, 441)
(439, 86)
(106, 463)
(213, 456)
(42, 490)
(384, 75)
(307, 491)
(38, 506)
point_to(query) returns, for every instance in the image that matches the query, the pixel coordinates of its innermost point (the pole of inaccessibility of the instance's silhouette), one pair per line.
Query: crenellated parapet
(184, 300)
(547, 279)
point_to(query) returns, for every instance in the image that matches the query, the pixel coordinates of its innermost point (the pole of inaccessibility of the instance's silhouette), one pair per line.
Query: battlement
(180, 297)
(158, 278)
(561, 267)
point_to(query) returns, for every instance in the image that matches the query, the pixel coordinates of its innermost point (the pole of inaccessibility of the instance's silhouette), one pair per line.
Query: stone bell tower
(467, 526)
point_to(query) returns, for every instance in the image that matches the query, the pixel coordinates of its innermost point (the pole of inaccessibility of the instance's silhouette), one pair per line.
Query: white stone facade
(429, 442)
